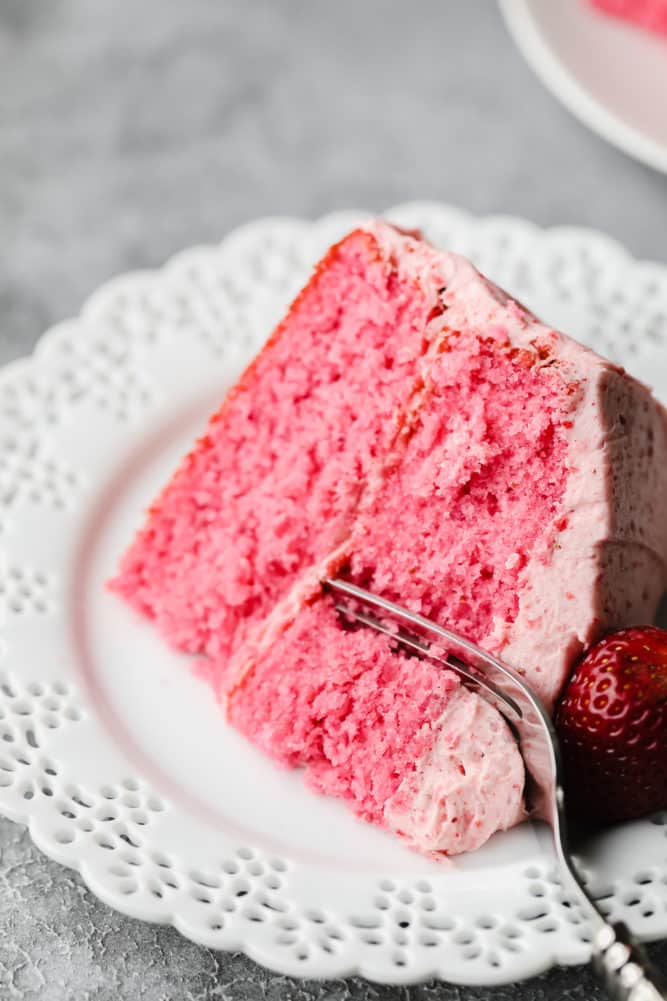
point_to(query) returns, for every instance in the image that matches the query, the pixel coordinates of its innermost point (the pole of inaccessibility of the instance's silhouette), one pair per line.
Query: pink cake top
(649, 14)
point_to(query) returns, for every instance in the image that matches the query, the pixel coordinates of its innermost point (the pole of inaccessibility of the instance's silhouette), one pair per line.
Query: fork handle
(624, 966)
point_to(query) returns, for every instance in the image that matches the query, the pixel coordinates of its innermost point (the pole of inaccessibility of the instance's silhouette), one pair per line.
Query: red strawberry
(612, 723)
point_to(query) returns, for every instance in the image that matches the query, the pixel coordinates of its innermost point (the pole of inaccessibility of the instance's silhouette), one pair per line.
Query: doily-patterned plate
(116, 755)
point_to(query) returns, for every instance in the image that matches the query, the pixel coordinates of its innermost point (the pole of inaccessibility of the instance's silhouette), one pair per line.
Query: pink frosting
(467, 785)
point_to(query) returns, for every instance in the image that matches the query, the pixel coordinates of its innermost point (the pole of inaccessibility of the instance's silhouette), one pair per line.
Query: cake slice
(411, 427)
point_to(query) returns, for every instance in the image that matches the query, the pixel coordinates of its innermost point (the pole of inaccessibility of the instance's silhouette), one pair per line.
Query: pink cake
(650, 14)
(410, 427)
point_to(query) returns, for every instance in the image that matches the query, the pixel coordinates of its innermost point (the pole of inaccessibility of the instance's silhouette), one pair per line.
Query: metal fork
(617, 957)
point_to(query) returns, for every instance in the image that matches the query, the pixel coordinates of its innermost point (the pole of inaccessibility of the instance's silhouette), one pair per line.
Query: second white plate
(611, 74)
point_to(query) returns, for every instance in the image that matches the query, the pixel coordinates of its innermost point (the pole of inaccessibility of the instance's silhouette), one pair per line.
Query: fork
(618, 959)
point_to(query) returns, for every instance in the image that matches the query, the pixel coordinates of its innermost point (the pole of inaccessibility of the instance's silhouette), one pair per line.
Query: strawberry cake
(650, 14)
(412, 428)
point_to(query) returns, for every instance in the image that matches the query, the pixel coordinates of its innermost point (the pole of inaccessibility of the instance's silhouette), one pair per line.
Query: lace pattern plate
(116, 756)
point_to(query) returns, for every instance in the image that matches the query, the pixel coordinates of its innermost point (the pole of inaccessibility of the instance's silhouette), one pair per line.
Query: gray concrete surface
(130, 130)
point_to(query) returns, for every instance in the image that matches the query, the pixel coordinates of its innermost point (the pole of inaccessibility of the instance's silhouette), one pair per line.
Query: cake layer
(398, 737)
(273, 485)
(478, 492)
(529, 495)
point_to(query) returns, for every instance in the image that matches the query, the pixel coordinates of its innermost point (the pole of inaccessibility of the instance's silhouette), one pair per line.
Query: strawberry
(612, 722)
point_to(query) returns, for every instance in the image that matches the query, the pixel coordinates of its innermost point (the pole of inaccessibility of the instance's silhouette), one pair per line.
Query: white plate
(610, 73)
(117, 756)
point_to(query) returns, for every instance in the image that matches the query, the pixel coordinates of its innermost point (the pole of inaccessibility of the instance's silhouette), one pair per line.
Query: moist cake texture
(410, 427)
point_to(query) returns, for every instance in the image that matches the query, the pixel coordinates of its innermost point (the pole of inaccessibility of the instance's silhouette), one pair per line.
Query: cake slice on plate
(411, 427)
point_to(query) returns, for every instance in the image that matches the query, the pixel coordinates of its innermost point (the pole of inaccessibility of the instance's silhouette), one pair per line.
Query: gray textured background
(130, 130)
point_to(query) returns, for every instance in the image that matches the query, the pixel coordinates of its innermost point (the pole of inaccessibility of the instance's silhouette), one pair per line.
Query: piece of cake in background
(410, 426)
(649, 14)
